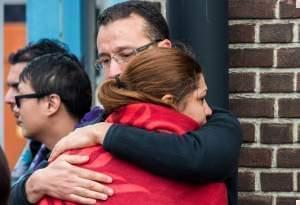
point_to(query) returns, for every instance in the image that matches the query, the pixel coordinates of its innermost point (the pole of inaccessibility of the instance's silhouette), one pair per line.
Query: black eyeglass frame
(18, 98)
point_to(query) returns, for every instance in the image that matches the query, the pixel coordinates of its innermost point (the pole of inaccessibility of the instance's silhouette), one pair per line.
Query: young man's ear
(168, 99)
(54, 103)
(166, 43)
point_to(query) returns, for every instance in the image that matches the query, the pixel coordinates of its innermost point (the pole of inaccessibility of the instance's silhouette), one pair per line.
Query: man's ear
(54, 103)
(168, 99)
(166, 43)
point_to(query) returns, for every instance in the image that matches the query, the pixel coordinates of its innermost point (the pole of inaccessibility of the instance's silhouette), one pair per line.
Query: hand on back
(64, 180)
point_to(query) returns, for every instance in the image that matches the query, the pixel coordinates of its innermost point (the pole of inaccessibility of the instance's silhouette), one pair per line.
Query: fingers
(59, 148)
(92, 175)
(84, 196)
(87, 192)
(79, 138)
(81, 200)
(91, 189)
(66, 162)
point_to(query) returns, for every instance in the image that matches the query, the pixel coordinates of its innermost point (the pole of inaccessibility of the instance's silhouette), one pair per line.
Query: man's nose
(15, 108)
(10, 96)
(114, 69)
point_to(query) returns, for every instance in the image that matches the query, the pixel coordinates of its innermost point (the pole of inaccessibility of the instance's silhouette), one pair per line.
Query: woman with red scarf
(161, 90)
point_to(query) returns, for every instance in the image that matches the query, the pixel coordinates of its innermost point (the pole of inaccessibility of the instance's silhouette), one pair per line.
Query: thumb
(56, 151)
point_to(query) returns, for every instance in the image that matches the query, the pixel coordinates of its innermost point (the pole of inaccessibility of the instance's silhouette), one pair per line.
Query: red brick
(276, 182)
(288, 57)
(246, 181)
(240, 9)
(276, 33)
(289, 10)
(255, 200)
(288, 158)
(248, 130)
(276, 133)
(255, 157)
(241, 33)
(289, 108)
(241, 82)
(276, 82)
(286, 200)
(249, 108)
(262, 57)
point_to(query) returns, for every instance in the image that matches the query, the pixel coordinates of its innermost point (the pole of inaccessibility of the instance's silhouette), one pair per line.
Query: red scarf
(133, 185)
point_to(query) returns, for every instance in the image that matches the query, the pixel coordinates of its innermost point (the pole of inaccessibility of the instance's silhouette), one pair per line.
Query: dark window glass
(14, 13)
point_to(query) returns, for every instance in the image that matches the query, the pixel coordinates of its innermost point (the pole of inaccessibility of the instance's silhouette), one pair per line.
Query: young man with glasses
(209, 154)
(18, 61)
(54, 93)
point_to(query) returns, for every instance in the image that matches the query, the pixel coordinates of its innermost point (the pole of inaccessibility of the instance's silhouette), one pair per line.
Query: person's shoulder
(95, 115)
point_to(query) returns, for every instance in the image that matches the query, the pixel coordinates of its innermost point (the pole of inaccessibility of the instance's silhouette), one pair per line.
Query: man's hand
(67, 182)
(81, 137)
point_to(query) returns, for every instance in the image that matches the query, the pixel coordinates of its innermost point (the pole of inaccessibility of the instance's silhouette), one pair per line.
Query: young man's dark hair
(4, 178)
(157, 27)
(55, 74)
(33, 50)
(24, 56)
(61, 74)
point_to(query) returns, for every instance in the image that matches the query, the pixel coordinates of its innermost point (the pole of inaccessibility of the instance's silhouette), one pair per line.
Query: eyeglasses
(32, 95)
(123, 56)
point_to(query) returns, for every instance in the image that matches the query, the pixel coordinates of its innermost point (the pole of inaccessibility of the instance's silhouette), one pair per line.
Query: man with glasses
(54, 93)
(18, 61)
(208, 154)
(103, 62)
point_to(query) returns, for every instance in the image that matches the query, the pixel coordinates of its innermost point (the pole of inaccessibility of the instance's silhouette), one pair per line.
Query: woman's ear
(168, 99)
(166, 43)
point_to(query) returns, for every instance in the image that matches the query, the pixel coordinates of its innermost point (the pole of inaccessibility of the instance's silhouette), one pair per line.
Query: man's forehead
(18, 66)
(15, 71)
(123, 33)
(25, 86)
(136, 22)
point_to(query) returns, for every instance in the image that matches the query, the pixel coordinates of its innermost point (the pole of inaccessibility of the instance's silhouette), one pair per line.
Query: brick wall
(264, 50)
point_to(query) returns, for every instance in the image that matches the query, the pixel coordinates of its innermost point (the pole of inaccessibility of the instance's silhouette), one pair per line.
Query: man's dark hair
(33, 50)
(157, 27)
(61, 74)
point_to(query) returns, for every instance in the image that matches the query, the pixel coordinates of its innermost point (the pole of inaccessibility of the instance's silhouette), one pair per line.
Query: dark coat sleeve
(17, 192)
(210, 153)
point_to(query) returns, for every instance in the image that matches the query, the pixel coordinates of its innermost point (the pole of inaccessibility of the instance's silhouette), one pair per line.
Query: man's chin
(25, 133)
(19, 123)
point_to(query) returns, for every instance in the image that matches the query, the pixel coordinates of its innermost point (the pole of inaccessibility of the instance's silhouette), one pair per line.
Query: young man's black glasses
(32, 95)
